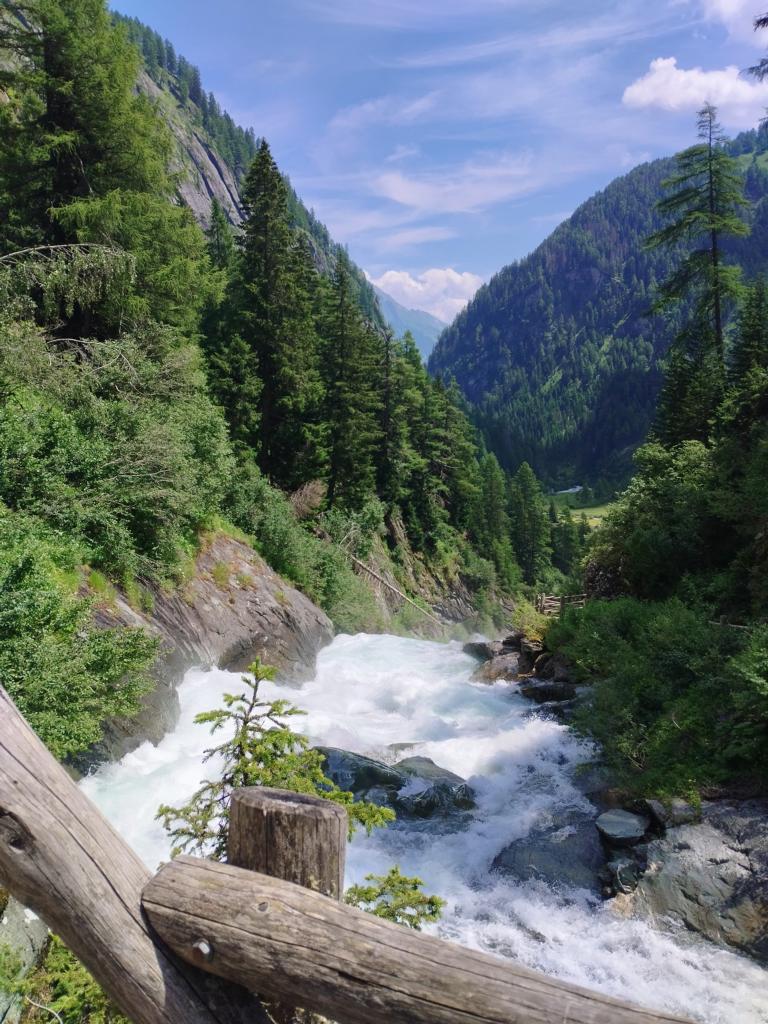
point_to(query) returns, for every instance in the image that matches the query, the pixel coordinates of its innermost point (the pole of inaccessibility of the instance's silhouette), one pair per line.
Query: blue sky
(442, 139)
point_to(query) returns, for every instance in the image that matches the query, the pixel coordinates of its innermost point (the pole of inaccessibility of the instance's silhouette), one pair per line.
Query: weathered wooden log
(295, 945)
(299, 838)
(63, 860)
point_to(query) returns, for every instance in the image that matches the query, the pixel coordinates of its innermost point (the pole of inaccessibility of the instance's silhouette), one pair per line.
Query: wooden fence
(191, 944)
(551, 604)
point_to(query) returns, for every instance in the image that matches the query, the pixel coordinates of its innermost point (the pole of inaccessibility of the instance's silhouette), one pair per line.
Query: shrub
(676, 704)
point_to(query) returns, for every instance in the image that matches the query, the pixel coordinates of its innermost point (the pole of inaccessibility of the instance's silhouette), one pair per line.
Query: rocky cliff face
(202, 174)
(233, 610)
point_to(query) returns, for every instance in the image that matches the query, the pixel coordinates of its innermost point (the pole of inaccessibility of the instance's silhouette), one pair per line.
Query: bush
(65, 676)
(678, 704)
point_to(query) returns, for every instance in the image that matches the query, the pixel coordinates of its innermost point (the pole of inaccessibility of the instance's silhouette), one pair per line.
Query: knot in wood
(13, 833)
(203, 950)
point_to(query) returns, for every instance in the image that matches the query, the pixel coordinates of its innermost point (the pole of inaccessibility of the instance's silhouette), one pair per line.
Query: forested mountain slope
(212, 152)
(558, 352)
(424, 327)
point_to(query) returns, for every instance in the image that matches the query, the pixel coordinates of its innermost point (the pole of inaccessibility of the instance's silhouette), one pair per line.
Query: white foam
(370, 692)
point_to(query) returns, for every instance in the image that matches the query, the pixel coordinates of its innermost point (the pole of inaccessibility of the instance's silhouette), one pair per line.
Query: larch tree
(704, 204)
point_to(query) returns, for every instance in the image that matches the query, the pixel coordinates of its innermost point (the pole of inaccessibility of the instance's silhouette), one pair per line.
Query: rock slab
(713, 877)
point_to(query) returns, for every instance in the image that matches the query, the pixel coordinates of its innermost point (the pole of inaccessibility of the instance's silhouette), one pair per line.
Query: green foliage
(678, 704)
(531, 531)
(706, 204)
(260, 750)
(72, 125)
(63, 987)
(65, 676)
(113, 442)
(396, 897)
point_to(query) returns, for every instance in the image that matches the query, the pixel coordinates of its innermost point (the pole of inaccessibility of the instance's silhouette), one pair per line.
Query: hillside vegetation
(559, 353)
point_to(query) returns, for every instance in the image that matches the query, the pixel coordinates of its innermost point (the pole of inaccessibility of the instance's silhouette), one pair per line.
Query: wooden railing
(551, 604)
(190, 945)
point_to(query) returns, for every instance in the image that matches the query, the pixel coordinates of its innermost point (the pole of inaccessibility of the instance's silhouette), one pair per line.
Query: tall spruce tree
(750, 346)
(264, 350)
(529, 523)
(72, 125)
(349, 363)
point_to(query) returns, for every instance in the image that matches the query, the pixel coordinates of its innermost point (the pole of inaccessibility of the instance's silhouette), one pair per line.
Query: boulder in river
(672, 813)
(503, 667)
(414, 787)
(713, 877)
(566, 851)
(530, 650)
(483, 650)
(362, 776)
(622, 828)
(543, 692)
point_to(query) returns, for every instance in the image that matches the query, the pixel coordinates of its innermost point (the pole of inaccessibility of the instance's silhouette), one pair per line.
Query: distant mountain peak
(424, 327)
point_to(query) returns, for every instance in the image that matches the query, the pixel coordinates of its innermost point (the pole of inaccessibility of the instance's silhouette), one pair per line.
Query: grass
(594, 513)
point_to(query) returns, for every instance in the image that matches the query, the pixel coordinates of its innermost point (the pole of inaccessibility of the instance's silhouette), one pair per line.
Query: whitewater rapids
(372, 692)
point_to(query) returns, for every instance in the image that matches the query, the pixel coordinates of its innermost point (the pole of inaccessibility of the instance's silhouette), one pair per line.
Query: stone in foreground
(622, 828)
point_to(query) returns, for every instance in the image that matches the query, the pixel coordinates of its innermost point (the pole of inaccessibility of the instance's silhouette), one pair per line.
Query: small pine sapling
(261, 750)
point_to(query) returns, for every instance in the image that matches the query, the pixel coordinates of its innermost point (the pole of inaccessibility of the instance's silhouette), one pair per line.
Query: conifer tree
(750, 347)
(265, 347)
(221, 239)
(351, 410)
(73, 127)
(529, 523)
(705, 202)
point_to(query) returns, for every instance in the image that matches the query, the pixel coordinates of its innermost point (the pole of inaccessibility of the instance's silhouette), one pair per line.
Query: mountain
(558, 352)
(212, 152)
(424, 327)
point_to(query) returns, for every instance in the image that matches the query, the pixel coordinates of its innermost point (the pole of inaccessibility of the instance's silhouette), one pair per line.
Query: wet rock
(425, 768)
(567, 851)
(252, 613)
(414, 787)
(541, 692)
(622, 828)
(553, 666)
(622, 875)
(483, 650)
(503, 667)
(25, 937)
(362, 776)
(441, 798)
(593, 780)
(530, 650)
(675, 812)
(512, 641)
(444, 792)
(712, 877)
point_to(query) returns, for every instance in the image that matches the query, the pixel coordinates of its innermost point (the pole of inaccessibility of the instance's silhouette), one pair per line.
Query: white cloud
(738, 17)
(391, 110)
(402, 153)
(441, 292)
(415, 236)
(740, 101)
(618, 28)
(473, 186)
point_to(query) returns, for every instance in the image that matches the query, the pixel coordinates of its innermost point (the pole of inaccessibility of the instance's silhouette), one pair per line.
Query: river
(370, 692)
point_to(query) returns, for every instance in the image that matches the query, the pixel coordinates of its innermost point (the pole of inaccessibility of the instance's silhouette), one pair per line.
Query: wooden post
(63, 860)
(297, 946)
(293, 836)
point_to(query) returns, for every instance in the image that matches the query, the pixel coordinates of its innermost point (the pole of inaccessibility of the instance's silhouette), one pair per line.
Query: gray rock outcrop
(713, 877)
(232, 610)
